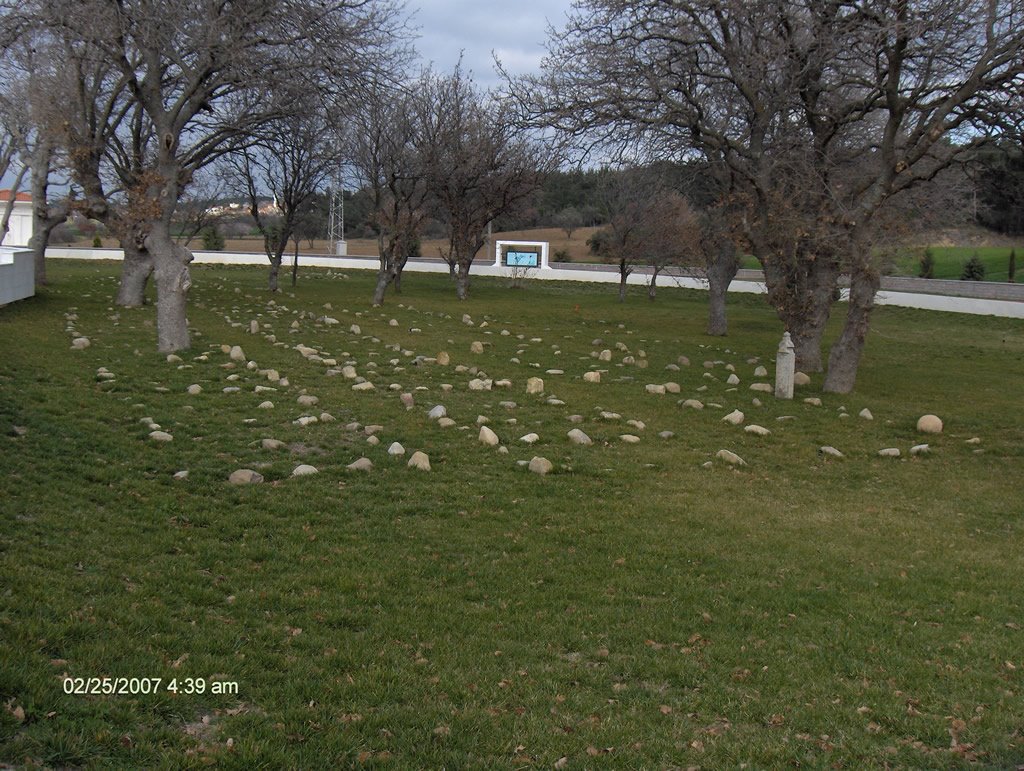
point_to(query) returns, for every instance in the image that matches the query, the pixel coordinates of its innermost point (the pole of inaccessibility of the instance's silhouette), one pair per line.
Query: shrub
(974, 270)
(598, 242)
(97, 242)
(562, 255)
(1011, 272)
(213, 241)
(927, 264)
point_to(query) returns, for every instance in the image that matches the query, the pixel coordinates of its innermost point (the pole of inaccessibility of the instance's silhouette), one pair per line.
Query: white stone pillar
(785, 367)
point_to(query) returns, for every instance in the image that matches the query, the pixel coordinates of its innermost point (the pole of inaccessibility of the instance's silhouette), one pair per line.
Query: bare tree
(480, 161)
(386, 149)
(204, 76)
(568, 219)
(291, 159)
(198, 206)
(820, 112)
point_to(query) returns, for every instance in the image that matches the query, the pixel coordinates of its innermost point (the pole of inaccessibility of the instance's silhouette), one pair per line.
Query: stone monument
(785, 367)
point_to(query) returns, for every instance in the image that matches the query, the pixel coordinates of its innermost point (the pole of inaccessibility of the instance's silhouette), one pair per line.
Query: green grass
(950, 261)
(633, 609)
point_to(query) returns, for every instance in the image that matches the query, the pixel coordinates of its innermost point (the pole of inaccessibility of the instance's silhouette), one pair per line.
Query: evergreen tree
(974, 270)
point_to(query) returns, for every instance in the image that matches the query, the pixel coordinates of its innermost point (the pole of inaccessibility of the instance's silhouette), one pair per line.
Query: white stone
(355, 330)
(268, 405)
(814, 401)
(866, 414)
(801, 379)
(591, 377)
(693, 404)
(665, 434)
(831, 451)
(605, 355)
(80, 343)
(639, 425)
(487, 436)
(757, 430)
(437, 411)
(272, 444)
(396, 449)
(444, 359)
(973, 440)
(349, 372)
(365, 386)
(195, 389)
(326, 417)
(760, 372)
(654, 388)
(730, 457)
(160, 436)
(529, 438)
(889, 452)
(476, 384)
(734, 418)
(629, 438)
(534, 385)
(761, 387)
(306, 420)
(372, 440)
(181, 475)
(307, 401)
(476, 347)
(929, 424)
(785, 365)
(920, 449)
(576, 436)
(539, 465)
(304, 470)
(419, 460)
(245, 476)
(362, 464)
(237, 354)
(732, 380)
(672, 388)
(445, 422)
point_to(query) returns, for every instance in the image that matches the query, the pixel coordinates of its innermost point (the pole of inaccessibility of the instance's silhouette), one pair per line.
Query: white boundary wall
(1003, 308)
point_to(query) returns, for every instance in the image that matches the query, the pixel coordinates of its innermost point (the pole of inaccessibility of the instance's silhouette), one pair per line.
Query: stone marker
(437, 412)
(732, 380)
(534, 385)
(237, 354)
(591, 377)
(396, 449)
(654, 388)
(866, 414)
(476, 347)
(444, 359)
(929, 424)
(540, 465)
(419, 460)
(760, 372)
(730, 457)
(576, 436)
(734, 418)
(245, 476)
(785, 367)
(488, 437)
(304, 470)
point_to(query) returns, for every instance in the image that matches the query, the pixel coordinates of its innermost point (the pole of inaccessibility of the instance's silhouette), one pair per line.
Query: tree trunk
(275, 270)
(721, 270)
(803, 299)
(652, 286)
(844, 358)
(295, 266)
(170, 268)
(384, 277)
(135, 271)
(462, 281)
(398, 279)
(623, 275)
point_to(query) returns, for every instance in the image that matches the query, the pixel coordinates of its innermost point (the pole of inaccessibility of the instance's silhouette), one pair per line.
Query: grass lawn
(950, 261)
(643, 606)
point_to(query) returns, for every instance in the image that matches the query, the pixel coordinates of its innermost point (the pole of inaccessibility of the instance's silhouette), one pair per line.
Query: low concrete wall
(748, 281)
(17, 275)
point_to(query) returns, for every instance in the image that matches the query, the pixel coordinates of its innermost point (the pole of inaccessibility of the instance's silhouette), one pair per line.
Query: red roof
(5, 195)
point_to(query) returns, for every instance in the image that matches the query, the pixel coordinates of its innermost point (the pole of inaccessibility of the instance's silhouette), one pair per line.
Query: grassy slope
(633, 609)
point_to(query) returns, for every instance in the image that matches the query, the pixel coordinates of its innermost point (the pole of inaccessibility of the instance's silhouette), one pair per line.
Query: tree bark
(136, 269)
(170, 268)
(844, 358)
(275, 270)
(384, 277)
(462, 281)
(803, 301)
(623, 275)
(652, 286)
(721, 270)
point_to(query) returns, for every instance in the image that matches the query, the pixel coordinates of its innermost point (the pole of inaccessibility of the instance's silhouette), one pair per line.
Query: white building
(20, 227)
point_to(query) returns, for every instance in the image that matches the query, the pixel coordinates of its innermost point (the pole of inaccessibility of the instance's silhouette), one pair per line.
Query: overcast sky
(515, 30)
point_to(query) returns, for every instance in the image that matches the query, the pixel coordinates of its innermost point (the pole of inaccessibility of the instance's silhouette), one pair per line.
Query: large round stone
(929, 424)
